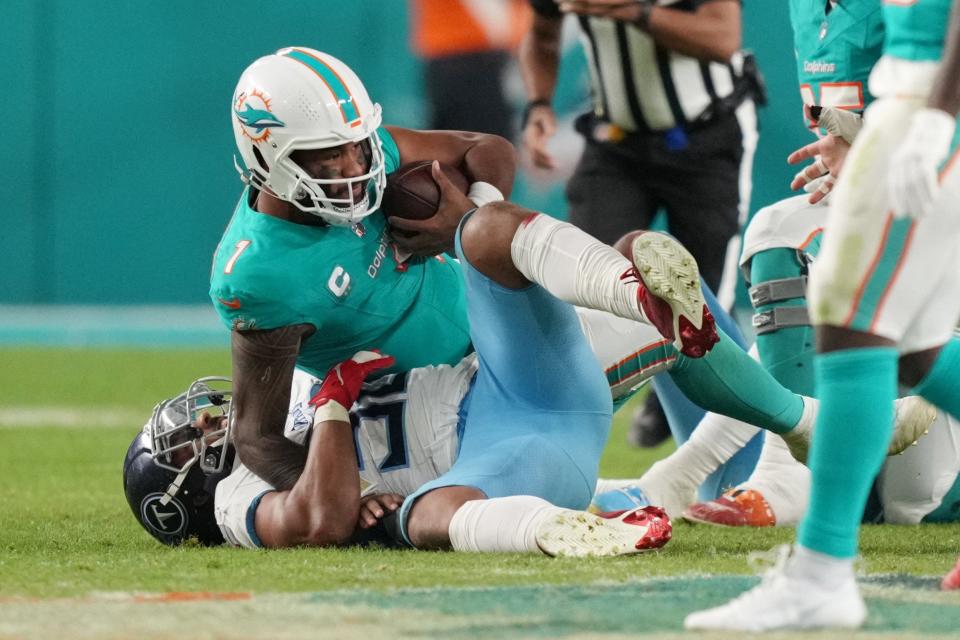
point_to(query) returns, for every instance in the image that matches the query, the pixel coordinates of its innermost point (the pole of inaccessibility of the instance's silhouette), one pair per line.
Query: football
(412, 193)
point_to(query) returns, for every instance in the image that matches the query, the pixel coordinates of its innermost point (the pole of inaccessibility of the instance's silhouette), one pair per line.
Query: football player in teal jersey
(836, 46)
(306, 272)
(885, 297)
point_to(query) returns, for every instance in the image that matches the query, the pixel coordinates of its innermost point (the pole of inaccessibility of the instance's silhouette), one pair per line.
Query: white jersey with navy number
(405, 426)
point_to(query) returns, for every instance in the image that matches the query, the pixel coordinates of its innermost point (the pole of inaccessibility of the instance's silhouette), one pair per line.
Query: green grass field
(74, 563)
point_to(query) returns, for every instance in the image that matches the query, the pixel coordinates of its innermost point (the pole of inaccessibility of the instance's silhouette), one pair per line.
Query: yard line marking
(52, 416)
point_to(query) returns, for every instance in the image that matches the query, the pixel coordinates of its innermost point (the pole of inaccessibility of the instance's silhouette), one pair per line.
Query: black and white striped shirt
(641, 86)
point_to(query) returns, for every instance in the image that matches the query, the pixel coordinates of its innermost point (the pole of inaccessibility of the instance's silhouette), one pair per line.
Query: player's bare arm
(263, 363)
(539, 58)
(712, 32)
(483, 157)
(488, 161)
(323, 507)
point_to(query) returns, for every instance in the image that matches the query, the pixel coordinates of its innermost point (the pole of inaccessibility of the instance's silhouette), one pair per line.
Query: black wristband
(533, 104)
(643, 20)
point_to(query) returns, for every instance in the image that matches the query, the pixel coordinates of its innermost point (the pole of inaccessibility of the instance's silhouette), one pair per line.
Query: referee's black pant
(619, 187)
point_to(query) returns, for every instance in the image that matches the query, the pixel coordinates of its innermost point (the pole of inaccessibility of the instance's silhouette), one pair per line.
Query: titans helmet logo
(164, 520)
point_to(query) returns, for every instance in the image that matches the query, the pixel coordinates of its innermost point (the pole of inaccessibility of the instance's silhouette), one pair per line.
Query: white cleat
(579, 534)
(671, 297)
(782, 601)
(913, 417)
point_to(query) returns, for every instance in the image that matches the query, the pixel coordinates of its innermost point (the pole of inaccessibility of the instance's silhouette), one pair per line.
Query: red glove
(341, 385)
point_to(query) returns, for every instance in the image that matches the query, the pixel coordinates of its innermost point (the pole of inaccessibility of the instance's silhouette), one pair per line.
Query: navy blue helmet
(172, 467)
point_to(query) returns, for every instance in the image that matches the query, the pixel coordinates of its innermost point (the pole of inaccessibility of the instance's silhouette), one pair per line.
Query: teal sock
(856, 388)
(730, 382)
(786, 353)
(941, 385)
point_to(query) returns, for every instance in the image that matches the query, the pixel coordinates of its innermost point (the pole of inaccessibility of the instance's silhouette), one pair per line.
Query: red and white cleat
(670, 295)
(580, 534)
(951, 581)
(735, 508)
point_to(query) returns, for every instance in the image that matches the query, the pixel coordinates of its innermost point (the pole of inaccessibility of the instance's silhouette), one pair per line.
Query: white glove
(840, 122)
(913, 169)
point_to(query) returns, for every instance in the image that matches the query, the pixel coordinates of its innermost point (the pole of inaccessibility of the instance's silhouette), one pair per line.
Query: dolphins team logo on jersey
(254, 115)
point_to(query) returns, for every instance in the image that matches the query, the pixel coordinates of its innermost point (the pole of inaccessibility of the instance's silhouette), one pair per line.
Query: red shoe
(580, 534)
(952, 580)
(735, 508)
(670, 295)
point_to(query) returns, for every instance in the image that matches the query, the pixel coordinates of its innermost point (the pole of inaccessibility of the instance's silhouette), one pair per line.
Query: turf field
(75, 564)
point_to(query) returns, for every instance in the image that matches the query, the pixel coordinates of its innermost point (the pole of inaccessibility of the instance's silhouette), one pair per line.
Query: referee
(673, 126)
(673, 123)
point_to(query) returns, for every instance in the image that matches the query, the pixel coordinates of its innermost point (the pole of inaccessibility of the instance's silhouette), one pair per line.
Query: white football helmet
(300, 98)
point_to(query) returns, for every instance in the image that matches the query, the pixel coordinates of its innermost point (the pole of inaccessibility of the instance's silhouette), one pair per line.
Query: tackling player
(884, 299)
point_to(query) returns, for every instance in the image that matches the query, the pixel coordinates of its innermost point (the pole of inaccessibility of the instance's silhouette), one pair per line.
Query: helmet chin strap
(174, 487)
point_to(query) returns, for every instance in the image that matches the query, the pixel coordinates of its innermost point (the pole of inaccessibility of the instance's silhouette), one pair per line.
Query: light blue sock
(856, 388)
(941, 385)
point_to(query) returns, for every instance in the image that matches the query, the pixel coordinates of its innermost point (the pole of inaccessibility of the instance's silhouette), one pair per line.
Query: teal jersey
(348, 282)
(916, 30)
(836, 50)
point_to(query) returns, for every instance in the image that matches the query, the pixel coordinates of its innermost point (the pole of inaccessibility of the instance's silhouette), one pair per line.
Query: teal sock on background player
(728, 381)
(684, 416)
(856, 388)
(941, 385)
(786, 353)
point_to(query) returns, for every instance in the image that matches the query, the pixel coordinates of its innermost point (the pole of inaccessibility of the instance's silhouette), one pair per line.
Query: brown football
(412, 193)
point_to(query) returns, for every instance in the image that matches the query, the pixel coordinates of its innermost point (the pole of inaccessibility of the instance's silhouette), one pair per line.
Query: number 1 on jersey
(240, 248)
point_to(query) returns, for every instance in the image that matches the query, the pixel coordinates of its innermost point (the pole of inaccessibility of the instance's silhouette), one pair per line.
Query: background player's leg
(684, 415)
(729, 381)
(940, 385)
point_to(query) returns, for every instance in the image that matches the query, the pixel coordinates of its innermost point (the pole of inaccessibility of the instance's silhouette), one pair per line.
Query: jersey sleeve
(391, 152)
(245, 310)
(235, 506)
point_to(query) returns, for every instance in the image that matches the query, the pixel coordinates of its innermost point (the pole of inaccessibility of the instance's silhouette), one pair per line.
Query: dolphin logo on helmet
(303, 99)
(258, 119)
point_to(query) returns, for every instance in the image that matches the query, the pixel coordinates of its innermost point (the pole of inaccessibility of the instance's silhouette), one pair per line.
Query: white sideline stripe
(71, 417)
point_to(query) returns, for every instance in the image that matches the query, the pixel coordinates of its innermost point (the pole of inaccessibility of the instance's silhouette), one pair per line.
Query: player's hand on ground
(541, 126)
(341, 386)
(624, 10)
(913, 179)
(376, 506)
(435, 234)
(828, 154)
